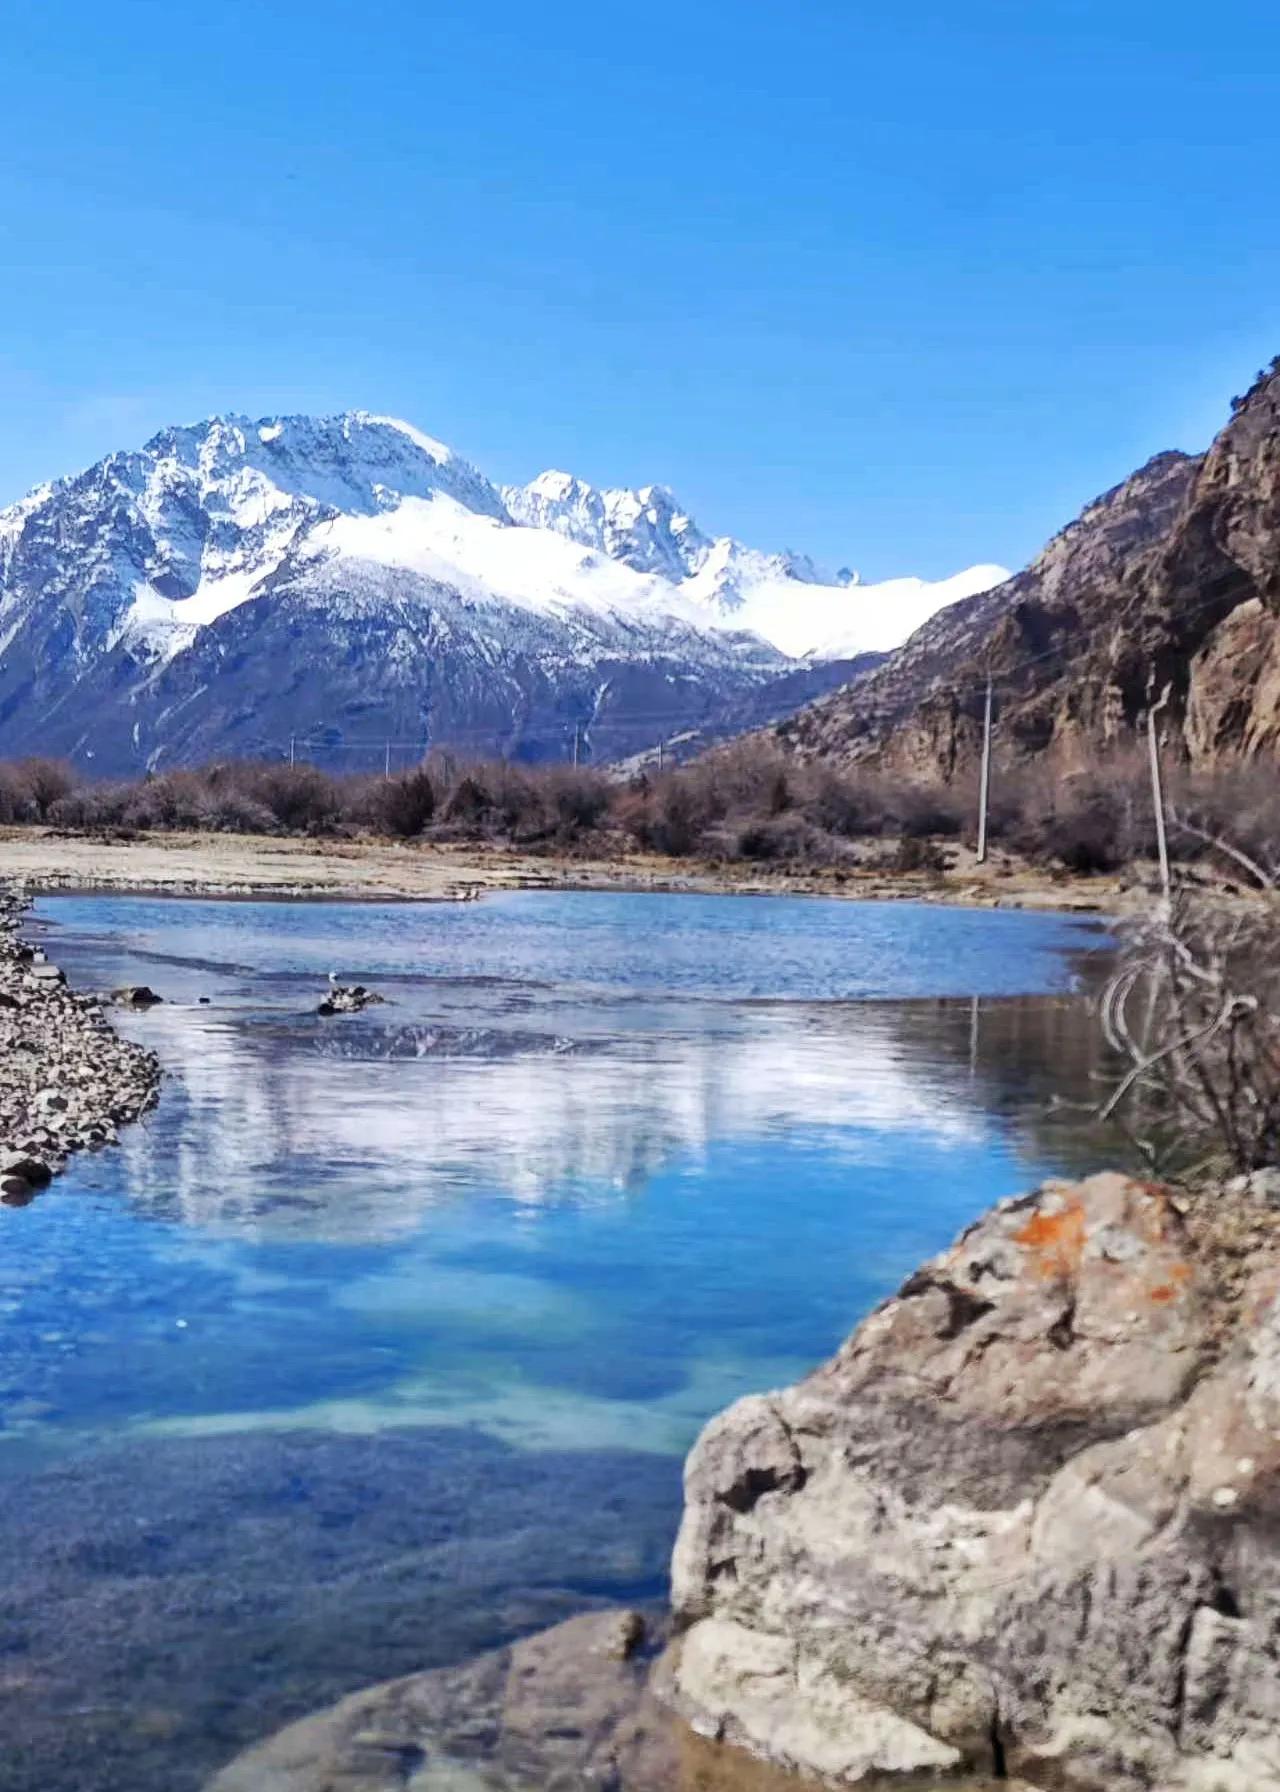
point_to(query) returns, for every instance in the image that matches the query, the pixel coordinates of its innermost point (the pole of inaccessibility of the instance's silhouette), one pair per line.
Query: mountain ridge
(1167, 583)
(237, 581)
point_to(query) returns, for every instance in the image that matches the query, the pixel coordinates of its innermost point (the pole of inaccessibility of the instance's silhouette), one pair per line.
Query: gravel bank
(67, 1080)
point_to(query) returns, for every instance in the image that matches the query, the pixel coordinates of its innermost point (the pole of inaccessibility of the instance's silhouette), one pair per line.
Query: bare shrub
(15, 798)
(578, 799)
(1091, 821)
(916, 854)
(927, 811)
(43, 781)
(1194, 1006)
(780, 839)
(468, 801)
(843, 804)
(300, 797)
(90, 807)
(404, 806)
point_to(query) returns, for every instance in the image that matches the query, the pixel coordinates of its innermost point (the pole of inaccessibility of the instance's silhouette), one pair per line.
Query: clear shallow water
(385, 1336)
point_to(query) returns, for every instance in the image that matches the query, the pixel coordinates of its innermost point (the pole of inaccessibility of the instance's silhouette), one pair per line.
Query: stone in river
(136, 995)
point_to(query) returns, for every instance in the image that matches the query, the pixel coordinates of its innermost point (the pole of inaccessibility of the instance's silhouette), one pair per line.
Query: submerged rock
(349, 998)
(1024, 1522)
(569, 1708)
(566, 1707)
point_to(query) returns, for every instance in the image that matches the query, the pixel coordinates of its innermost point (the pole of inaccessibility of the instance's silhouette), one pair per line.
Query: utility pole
(577, 730)
(386, 762)
(985, 794)
(1157, 793)
(291, 748)
(659, 758)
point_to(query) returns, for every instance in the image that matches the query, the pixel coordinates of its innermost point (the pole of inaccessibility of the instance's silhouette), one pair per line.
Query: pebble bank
(68, 1081)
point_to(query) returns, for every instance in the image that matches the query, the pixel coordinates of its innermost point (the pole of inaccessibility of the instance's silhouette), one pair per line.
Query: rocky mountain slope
(348, 581)
(1172, 578)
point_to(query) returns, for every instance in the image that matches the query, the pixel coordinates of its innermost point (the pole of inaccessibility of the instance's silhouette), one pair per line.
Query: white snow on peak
(880, 617)
(202, 519)
(438, 451)
(785, 598)
(490, 562)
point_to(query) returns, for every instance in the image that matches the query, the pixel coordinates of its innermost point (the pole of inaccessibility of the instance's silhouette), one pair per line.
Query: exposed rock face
(1173, 577)
(1026, 1522)
(67, 1081)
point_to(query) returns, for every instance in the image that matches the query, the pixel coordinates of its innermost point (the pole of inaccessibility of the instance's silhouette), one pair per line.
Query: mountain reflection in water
(382, 1339)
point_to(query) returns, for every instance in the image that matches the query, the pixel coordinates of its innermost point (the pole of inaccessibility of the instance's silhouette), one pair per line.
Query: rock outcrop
(1026, 1522)
(67, 1080)
(1170, 578)
(568, 1707)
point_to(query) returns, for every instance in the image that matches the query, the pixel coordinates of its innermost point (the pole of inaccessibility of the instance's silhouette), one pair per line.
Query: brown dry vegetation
(749, 803)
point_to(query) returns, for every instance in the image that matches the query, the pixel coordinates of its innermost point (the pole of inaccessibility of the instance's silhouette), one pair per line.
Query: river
(383, 1339)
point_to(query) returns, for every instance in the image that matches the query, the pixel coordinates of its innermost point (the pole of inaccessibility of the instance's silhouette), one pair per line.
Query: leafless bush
(302, 798)
(913, 853)
(749, 799)
(1092, 821)
(1194, 1007)
(403, 806)
(40, 783)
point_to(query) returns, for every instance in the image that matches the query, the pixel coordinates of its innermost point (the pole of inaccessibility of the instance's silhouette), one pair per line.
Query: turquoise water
(384, 1337)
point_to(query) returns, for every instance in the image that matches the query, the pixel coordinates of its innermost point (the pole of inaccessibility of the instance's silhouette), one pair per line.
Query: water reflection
(382, 1339)
(351, 1132)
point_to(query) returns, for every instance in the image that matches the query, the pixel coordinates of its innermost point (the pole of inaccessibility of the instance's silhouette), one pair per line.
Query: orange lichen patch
(1178, 1274)
(1163, 1292)
(1056, 1240)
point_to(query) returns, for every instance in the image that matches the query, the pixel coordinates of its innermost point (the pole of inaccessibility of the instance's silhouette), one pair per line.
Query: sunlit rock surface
(1024, 1522)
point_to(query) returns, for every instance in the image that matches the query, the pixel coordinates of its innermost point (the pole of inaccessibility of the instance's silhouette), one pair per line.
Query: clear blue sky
(901, 284)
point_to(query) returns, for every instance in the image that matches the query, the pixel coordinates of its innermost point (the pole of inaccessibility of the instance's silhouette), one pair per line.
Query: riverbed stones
(136, 995)
(349, 998)
(1027, 1521)
(67, 1081)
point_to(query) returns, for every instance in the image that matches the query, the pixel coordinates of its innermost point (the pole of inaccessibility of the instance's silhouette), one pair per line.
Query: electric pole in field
(1157, 793)
(386, 762)
(985, 791)
(659, 758)
(577, 732)
(292, 747)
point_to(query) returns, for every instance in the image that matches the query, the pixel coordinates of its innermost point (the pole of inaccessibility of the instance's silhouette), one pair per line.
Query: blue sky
(902, 284)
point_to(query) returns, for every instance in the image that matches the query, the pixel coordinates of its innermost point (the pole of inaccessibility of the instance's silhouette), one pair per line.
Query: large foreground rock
(1025, 1522)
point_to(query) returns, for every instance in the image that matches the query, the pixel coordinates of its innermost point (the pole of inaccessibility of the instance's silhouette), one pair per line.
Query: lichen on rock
(1023, 1522)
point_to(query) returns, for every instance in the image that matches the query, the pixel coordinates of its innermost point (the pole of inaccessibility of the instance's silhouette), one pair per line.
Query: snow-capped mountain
(347, 580)
(785, 597)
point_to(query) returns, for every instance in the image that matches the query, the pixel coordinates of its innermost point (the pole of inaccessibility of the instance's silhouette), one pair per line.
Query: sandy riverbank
(252, 865)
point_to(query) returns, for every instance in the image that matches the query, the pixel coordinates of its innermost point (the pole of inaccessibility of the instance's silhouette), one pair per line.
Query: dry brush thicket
(750, 801)
(1193, 1010)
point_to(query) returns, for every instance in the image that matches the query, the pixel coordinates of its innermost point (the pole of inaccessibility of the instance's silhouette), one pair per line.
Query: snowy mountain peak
(645, 529)
(156, 570)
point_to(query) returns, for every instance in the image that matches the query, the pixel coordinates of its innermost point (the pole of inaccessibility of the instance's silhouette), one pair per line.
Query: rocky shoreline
(1022, 1530)
(68, 1081)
